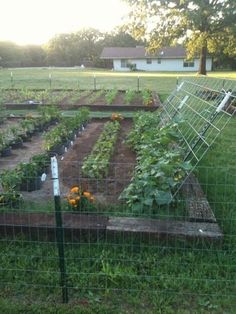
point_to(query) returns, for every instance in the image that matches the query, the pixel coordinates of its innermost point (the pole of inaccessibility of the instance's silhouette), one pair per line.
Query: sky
(36, 21)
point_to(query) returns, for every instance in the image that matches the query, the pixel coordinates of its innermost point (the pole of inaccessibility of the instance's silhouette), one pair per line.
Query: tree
(196, 23)
(74, 48)
(118, 38)
(11, 54)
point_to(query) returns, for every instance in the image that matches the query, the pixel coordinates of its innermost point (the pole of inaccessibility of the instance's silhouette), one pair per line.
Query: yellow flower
(87, 195)
(75, 189)
(72, 202)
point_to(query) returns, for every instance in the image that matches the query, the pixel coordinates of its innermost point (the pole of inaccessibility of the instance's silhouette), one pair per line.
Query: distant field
(46, 77)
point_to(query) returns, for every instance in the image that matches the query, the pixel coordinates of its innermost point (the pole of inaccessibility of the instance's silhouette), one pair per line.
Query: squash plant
(160, 168)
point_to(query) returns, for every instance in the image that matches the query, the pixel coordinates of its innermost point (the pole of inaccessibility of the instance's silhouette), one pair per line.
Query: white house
(166, 59)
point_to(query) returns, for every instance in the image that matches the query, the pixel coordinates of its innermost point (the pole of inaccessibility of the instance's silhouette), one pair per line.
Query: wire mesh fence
(99, 253)
(72, 79)
(165, 254)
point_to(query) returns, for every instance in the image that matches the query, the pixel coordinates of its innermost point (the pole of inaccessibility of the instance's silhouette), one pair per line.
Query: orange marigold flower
(87, 194)
(77, 198)
(72, 202)
(92, 199)
(75, 189)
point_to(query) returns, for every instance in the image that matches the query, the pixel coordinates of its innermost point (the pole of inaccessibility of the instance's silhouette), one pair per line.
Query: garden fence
(83, 81)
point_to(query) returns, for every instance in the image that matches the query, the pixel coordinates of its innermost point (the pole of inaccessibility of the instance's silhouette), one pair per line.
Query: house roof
(139, 52)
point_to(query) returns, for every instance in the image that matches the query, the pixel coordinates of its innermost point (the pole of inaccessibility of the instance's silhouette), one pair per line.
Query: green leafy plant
(110, 96)
(96, 165)
(160, 168)
(147, 97)
(10, 180)
(129, 96)
(4, 140)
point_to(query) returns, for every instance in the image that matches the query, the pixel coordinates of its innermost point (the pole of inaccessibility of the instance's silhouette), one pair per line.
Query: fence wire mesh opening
(164, 255)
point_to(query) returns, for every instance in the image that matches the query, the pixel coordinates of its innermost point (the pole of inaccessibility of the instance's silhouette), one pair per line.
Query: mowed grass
(119, 274)
(162, 82)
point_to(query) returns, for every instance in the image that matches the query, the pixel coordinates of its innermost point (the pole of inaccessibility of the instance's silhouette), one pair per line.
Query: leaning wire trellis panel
(205, 108)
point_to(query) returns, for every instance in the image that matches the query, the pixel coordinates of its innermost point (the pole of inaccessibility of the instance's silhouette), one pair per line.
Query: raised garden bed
(95, 100)
(196, 221)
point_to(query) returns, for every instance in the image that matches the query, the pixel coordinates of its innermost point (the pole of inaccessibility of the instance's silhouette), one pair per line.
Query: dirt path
(108, 189)
(29, 149)
(72, 162)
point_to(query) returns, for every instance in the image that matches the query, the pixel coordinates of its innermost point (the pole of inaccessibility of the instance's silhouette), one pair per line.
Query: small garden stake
(59, 228)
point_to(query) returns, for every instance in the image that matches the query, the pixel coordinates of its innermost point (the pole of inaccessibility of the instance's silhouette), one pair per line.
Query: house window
(188, 64)
(159, 61)
(149, 61)
(123, 63)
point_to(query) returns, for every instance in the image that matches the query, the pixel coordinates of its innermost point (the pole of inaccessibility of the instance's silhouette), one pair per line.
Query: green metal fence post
(59, 229)
(138, 84)
(94, 82)
(50, 80)
(12, 81)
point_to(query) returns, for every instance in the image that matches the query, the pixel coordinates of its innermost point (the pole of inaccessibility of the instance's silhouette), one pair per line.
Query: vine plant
(160, 167)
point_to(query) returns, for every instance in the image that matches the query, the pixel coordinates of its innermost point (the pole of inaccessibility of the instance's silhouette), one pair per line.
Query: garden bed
(96, 100)
(107, 190)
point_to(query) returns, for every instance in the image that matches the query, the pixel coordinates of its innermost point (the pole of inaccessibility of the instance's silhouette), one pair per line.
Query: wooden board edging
(42, 226)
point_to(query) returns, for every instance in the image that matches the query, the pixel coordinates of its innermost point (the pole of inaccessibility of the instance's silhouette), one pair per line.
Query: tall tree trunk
(202, 63)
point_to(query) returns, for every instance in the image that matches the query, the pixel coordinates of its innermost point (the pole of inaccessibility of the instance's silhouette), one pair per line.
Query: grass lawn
(120, 274)
(163, 82)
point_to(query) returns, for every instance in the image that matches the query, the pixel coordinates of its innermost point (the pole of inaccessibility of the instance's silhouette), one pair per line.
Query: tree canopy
(198, 24)
(69, 49)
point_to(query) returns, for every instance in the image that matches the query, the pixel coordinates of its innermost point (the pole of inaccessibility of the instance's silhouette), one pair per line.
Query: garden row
(160, 167)
(14, 136)
(28, 176)
(73, 97)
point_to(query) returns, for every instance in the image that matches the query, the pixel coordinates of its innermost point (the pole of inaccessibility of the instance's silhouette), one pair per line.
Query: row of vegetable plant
(111, 95)
(56, 139)
(14, 136)
(160, 167)
(96, 165)
(147, 97)
(129, 96)
(44, 97)
(27, 176)
(95, 96)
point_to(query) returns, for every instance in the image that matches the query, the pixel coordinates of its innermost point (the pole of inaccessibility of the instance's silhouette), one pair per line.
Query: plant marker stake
(59, 228)
(138, 83)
